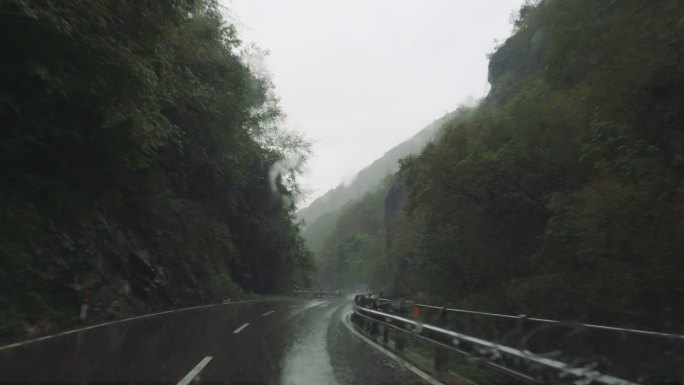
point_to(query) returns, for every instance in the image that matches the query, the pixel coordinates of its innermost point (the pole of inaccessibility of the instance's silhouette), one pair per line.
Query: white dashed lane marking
(238, 330)
(16, 344)
(267, 313)
(195, 371)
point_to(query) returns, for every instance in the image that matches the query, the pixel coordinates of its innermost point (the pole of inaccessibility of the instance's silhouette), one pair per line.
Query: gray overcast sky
(358, 77)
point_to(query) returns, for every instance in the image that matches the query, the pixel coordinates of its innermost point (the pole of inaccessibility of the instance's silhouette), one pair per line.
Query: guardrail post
(520, 326)
(399, 342)
(84, 305)
(375, 329)
(399, 339)
(441, 354)
(385, 334)
(441, 359)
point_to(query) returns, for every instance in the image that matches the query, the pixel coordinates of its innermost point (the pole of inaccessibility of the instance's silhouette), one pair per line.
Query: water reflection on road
(281, 341)
(307, 360)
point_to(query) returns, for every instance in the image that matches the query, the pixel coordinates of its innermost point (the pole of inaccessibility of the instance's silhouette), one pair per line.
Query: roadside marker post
(84, 305)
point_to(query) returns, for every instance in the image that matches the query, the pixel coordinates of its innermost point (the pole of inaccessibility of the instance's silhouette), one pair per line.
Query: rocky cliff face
(370, 178)
(515, 62)
(135, 165)
(123, 273)
(320, 216)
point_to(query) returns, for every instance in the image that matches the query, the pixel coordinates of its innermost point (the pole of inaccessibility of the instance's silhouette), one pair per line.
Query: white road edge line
(238, 330)
(417, 371)
(26, 342)
(195, 371)
(267, 313)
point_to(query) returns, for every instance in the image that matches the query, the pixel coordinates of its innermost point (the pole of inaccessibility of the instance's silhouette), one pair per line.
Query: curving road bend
(288, 342)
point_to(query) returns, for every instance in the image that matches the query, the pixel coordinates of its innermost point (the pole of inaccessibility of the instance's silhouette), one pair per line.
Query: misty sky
(358, 77)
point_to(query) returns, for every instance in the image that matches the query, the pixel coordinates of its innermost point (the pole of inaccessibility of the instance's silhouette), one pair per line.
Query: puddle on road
(315, 303)
(307, 361)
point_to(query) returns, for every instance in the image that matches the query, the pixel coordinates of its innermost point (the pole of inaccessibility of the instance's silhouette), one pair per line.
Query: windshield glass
(342, 192)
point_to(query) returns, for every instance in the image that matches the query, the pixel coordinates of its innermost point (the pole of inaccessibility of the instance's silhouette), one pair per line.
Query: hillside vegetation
(561, 195)
(138, 155)
(320, 216)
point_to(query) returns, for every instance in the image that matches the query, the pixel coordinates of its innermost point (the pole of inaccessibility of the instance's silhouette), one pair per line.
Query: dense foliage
(353, 252)
(141, 159)
(561, 194)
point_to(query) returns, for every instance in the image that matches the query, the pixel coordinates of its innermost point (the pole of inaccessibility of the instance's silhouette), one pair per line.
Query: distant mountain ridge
(366, 180)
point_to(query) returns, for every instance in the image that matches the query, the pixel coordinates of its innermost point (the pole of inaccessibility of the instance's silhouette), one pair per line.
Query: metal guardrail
(371, 312)
(524, 318)
(308, 293)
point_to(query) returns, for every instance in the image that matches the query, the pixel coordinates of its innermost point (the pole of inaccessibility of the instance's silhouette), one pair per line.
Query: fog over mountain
(320, 215)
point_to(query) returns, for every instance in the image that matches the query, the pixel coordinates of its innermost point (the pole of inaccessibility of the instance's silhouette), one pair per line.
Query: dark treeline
(139, 161)
(560, 196)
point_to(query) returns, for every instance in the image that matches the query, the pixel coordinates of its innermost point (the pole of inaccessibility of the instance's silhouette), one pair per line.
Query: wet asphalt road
(289, 342)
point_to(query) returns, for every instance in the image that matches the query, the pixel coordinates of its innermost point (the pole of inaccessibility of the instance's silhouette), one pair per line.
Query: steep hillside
(370, 177)
(320, 216)
(136, 155)
(561, 195)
